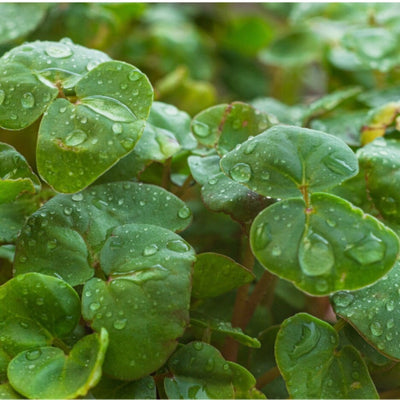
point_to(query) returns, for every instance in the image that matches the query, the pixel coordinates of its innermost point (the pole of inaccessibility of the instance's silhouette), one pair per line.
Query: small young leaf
(374, 313)
(73, 228)
(215, 274)
(312, 367)
(329, 246)
(285, 160)
(47, 373)
(34, 310)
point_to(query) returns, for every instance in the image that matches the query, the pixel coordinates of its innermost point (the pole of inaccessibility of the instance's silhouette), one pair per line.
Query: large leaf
(77, 143)
(373, 311)
(312, 367)
(47, 373)
(325, 247)
(199, 371)
(286, 161)
(36, 310)
(16, 177)
(72, 228)
(146, 264)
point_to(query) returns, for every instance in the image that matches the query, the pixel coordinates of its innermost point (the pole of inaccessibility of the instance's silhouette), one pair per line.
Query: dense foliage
(199, 201)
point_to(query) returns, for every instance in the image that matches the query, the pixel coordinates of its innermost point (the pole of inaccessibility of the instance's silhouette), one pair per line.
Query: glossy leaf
(226, 125)
(214, 274)
(86, 139)
(17, 20)
(73, 228)
(312, 367)
(47, 372)
(285, 160)
(7, 392)
(144, 304)
(36, 310)
(16, 177)
(108, 388)
(325, 247)
(207, 376)
(374, 313)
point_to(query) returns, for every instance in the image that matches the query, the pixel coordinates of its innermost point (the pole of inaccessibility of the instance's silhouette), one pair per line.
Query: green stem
(267, 377)
(340, 325)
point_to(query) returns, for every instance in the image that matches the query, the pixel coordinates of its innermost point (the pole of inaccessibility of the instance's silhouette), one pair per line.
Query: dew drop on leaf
(337, 165)
(76, 138)
(178, 245)
(150, 250)
(368, 250)
(184, 212)
(119, 324)
(77, 197)
(343, 299)
(94, 306)
(58, 51)
(67, 211)
(27, 100)
(241, 172)
(209, 365)
(33, 355)
(134, 76)
(315, 255)
(2, 96)
(198, 346)
(117, 128)
(201, 129)
(376, 328)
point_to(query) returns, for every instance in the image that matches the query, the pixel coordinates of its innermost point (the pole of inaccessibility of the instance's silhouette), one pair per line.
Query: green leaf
(199, 371)
(215, 274)
(374, 313)
(226, 125)
(7, 392)
(36, 310)
(325, 247)
(86, 139)
(109, 388)
(223, 328)
(16, 177)
(17, 20)
(312, 367)
(380, 160)
(74, 227)
(148, 288)
(47, 372)
(286, 160)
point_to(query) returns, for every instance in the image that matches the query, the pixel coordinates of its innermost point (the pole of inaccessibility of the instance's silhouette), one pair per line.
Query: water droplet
(241, 172)
(276, 251)
(2, 96)
(150, 250)
(33, 355)
(200, 129)
(315, 254)
(262, 236)
(58, 51)
(265, 175)
(321, 285)
(134, 76)
(390, 323)
(27, 100)
(390, 305)
(52, 244)
(94, 306)
(376, 328)
(67, 211)
(77, 197)
(92, 64)
(310, 336)
(355, 375)
(75, 138)
(117, 128)
(40, 301)
(119, 324)
(343, 299)
(62, 110)
(198, 346)
(368, 250)
(178, 245)
(331, 223)
(209, 365)
(184, 212)
(337, 165)
(250, 147)
(212, 181)
(389, 336)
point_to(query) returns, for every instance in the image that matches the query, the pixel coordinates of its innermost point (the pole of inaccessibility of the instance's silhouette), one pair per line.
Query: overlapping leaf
(325, 247)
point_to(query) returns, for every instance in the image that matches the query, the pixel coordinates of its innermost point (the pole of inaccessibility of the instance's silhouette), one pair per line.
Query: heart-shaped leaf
(215, 274)
(286, 161)
(36, 310)
(374, 312)
(16, 177)
(144, 304)
(325, 247)
(312, 367)
(109, 388)
(199, 371)
(47, 372)
(226, 125)
(73, 228)
(86, 139)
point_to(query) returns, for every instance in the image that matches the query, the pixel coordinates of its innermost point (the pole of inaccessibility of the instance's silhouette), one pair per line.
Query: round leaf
(312, 367)
(72, 228)
(35, 310)
(78, 143)
(326, 247)
(144, 304)
(215, 274)
(286, 160)
(374, 312)
(47, 373)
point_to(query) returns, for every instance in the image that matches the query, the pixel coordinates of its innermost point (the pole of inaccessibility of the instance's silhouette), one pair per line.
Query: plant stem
(186, 185)
(165, 181)
(340, 325)
(61, 345)
(267, 377)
